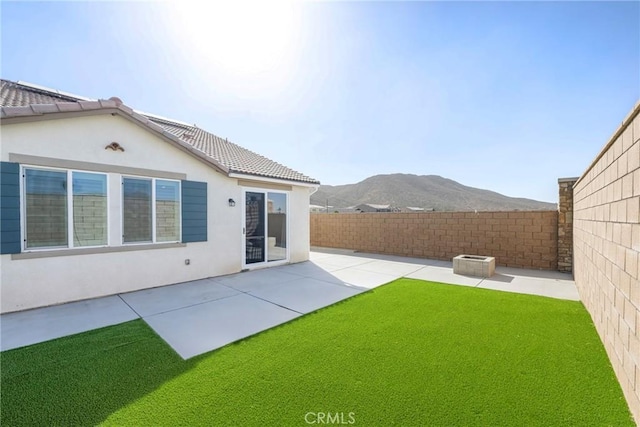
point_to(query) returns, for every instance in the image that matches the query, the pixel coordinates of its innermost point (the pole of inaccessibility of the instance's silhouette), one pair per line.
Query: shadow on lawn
(69, 381)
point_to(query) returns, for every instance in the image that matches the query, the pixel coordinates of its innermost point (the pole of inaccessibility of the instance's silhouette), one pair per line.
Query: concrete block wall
(607, 251)
(525, 239)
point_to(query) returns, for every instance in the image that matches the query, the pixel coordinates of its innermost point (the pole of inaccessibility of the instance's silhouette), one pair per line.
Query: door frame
(266, 262)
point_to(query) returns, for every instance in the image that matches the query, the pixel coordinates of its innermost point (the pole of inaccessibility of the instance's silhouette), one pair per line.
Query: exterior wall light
(232, 202)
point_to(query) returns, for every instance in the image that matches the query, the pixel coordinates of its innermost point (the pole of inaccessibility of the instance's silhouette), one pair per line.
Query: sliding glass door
(265, 227)
(254, 227)
(276, 226)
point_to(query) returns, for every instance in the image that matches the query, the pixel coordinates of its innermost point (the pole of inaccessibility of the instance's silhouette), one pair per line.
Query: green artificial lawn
(409, 353)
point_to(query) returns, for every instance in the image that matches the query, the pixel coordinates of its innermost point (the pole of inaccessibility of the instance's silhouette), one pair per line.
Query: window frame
(153, 240)
(70, 217)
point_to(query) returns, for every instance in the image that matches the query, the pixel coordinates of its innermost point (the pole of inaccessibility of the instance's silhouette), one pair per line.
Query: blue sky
(507, 96)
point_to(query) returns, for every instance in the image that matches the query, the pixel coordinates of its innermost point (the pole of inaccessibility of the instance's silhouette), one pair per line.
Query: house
(99, 199)
(368, 207)
(417, 209)
(318, 208)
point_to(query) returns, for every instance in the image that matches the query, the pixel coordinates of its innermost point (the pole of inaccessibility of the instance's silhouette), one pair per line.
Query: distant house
(416, 209)
(369, 207)
(99, 199)
(348, 209)
(317, 208)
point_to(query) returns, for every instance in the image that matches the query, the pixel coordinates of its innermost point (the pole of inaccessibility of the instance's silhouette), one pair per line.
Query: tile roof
(22, 99)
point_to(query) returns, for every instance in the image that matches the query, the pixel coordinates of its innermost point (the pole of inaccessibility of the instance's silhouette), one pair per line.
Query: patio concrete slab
(305, 294)
(317, 256)
(255, 279)
(311, 269)
(390, 267)
(364, 279)
(323, 254)
(535, 274)
(166, 298)
(444, 275)
(344, 261)
(201, 328)
(43, 324)
(402, 259)
(554, 288)
(330, 268)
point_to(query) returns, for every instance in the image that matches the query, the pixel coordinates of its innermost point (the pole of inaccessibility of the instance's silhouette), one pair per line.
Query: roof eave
(39, 112)
(257, 177)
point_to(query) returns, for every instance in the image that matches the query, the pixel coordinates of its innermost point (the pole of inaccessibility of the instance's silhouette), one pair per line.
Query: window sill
(92, 251)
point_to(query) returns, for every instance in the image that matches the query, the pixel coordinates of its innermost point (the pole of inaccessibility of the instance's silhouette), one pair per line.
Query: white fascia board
(271, 180)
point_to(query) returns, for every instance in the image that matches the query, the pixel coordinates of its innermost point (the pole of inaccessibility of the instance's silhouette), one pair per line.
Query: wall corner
(565, 224)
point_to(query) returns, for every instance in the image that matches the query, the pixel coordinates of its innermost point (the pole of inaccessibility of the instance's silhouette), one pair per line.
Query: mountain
(424, 191)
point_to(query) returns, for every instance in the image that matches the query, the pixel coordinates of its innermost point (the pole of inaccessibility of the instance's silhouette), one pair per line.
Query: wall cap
(623, 126)
(568, 179)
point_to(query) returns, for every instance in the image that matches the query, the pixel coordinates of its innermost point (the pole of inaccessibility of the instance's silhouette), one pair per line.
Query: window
(59, 215)
(70, 209)
(46, 208)
(167, 211)
(137, 210)
(151, 210)
(89, 209)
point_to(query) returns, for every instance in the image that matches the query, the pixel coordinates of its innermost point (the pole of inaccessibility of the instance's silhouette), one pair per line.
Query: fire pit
(474, 265)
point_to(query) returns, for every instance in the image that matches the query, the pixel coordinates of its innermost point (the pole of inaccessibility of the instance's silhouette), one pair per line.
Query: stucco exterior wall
(299, 225)
(606, 249)
(28, 283)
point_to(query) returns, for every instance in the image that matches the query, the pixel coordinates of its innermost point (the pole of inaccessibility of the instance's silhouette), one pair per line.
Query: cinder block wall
(607, 250)
(526, 239)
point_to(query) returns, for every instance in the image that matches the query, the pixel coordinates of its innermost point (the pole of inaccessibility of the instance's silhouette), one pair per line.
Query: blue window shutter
(10, 208)
(194, 211)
